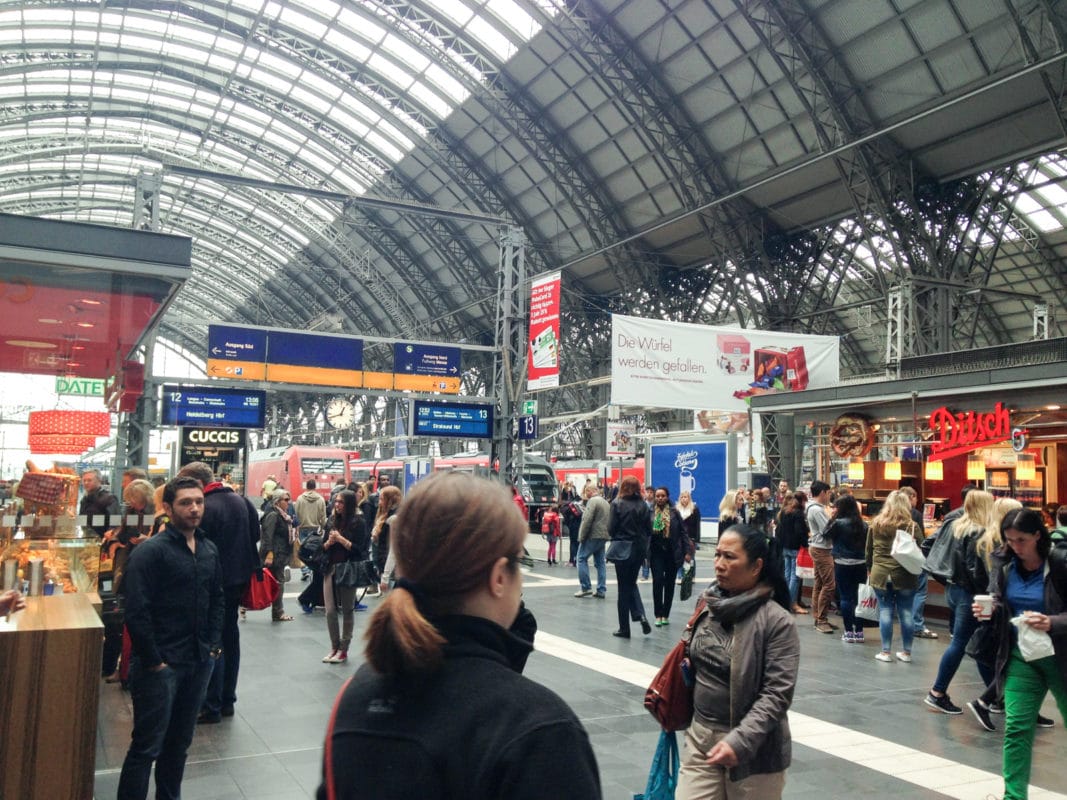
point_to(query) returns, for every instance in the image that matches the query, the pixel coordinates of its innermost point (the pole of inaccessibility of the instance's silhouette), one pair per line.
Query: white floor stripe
(899, 761)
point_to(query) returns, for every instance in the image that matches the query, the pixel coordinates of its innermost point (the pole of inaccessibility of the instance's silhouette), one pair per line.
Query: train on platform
(293, 466)
(537, 481)
(578, 471)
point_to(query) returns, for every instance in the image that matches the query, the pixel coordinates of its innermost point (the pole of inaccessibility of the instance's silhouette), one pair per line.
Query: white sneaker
(884, 657)
(287, 575)
(905, 657)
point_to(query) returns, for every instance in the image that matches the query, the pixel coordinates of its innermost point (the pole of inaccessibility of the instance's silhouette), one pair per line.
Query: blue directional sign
(230, 343)
(296, 348)
(425, 359)
(203, 407)
(528, 427)
(472, 421)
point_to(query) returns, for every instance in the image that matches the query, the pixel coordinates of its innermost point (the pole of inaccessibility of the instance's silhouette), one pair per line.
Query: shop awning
(76, 299)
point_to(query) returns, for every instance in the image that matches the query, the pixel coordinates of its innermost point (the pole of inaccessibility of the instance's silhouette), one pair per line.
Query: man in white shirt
(820, 548)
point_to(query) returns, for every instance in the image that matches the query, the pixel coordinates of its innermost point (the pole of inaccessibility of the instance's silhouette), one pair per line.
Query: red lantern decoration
(67, 431)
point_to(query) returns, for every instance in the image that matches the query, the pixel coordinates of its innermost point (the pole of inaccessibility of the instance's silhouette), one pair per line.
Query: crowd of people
(444, 620)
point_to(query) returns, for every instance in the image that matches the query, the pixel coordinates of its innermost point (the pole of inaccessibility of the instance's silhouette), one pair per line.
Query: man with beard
(231, 523)
(174, 601)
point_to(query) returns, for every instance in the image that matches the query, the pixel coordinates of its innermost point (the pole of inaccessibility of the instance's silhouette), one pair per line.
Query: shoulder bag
(907, 553)
(358, 574)
(262, 590)
(619, 550)
(669, 698)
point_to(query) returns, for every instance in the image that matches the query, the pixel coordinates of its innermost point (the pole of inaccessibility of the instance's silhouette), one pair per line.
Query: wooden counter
(50, 672)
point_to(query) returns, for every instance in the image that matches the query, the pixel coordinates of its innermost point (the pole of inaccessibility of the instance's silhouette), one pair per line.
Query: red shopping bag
(805, 566)
(262, 590)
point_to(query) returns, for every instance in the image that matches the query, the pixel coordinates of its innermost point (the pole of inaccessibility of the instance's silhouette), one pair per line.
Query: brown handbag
(669, 698)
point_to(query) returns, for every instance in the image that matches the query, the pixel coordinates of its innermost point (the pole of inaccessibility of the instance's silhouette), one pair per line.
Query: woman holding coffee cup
(1028, 578)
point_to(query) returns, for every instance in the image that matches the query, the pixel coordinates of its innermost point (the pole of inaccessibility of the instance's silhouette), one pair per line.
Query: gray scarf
(728, 610)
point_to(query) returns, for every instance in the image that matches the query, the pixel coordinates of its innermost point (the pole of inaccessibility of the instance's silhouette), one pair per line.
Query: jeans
(594, 548)
(661, 563)
(1025, 687)
(222, 690)
(789, 567)
(339, 600)
(825, 586)
(629, 603)
(963, 625)
(165, 706)
(848, 578)
(901, 601)
(917, 616)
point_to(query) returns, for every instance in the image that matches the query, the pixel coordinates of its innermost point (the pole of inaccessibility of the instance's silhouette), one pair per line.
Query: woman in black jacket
(347, 540)
(792, 534)
(441, 708)
(848, 532)
(276, 546)
(629, 528)
(669, 547)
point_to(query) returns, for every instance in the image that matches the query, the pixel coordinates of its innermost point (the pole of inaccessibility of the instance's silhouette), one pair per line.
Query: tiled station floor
(859, 725)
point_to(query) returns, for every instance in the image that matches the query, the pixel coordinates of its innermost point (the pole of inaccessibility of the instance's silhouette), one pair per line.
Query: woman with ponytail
(441, 708)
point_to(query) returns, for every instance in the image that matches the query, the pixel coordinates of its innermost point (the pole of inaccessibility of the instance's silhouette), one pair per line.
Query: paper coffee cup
(986, 602)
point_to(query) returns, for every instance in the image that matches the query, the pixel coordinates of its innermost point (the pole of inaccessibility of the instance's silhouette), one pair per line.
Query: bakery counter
(50, 655)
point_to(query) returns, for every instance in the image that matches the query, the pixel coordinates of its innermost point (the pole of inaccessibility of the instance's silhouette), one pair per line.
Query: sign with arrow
(426, 367)
(239, 353)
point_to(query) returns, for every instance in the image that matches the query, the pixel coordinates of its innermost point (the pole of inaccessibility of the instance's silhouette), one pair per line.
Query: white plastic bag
(1033, 644)
(867, 603)
(907, 553)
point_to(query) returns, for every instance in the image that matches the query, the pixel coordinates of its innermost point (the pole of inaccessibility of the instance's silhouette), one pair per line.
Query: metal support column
(896, 321)
(146, 199)
(1042, 317)
(779, 447)
(509, 361)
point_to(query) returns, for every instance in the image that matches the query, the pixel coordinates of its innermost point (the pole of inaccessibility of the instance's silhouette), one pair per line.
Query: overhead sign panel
(472, 421)
(207, 407)
(239, 353)
(294, 357)
(427, 368)
(285, 356)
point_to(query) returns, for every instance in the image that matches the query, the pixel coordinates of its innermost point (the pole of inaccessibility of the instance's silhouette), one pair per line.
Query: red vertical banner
(542, 349)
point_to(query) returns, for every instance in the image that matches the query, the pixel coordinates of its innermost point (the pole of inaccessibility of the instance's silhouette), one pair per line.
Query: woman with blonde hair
(974, 525)
(893, 585)
(441, 708)
(732, 510)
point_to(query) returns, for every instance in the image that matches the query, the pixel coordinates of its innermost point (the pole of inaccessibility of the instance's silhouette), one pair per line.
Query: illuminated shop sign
(963, 431)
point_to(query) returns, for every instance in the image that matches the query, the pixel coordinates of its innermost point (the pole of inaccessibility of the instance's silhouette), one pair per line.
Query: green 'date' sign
(84, 387)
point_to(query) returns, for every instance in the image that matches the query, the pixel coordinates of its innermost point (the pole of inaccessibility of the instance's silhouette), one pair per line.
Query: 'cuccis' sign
(961, 432)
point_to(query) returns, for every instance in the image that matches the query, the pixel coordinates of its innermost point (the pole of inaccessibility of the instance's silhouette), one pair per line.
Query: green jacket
(880, 562)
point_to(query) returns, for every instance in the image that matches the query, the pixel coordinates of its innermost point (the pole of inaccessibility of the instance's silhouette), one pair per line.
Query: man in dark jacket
(173, 586)
(232, 524)
(97, 504)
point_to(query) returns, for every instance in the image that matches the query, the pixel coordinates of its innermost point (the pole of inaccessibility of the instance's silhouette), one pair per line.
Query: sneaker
(981, 713)
(848, 637)
(307, 608)
(824, 627)
(925, 633)
(600, 595)
(996, 708)
(1044, 722)
(905, 657)
(361, 606)
(584, 593)
(857, 637)
(328, 658)
(883, 656)
(287, 574)
(340, 657)
(942, 704)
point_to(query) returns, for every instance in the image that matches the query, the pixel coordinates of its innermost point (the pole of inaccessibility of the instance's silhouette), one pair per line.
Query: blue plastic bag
(663, 777)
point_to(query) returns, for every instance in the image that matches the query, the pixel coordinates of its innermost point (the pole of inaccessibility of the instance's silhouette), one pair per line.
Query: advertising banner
(704, 468)
(620, 440)
(542, 350)
(678, 365)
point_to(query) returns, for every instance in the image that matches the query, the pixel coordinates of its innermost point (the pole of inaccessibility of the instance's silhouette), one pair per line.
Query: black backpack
(313, 555)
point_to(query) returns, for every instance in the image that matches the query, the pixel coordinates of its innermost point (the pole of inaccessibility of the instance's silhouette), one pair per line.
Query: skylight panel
(1035, 214)
(515, 17)
(302, 22)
